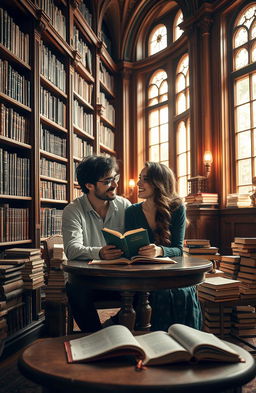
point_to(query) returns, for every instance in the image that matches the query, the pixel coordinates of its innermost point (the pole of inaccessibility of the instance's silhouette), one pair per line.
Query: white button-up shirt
(81, 226)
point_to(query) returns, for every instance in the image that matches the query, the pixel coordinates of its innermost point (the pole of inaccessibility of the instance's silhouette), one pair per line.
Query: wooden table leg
(127, 314)
(143, 312)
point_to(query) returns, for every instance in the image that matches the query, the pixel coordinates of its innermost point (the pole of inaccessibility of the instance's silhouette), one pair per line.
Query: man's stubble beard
(103, 196)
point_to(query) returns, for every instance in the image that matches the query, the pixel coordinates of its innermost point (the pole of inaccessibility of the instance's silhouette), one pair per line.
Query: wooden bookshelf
(56, 113)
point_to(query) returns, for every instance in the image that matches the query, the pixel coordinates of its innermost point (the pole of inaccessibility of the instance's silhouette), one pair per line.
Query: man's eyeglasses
(107, 182)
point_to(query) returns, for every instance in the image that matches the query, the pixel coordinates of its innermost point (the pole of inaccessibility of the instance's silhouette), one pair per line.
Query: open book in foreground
(180, 344)
(135, 259)
(129, 242)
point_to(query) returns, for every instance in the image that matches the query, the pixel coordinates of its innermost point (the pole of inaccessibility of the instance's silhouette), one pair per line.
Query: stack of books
(245, 247)
(55, 290)
(212, 319)
(33, 270)
(11, 300)
(244, 321)
(200, 247)
(202, 198)
(230, 264)
(218, 289)
(238, 200)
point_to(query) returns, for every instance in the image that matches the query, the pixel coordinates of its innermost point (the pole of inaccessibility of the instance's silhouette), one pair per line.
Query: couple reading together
(161, 213)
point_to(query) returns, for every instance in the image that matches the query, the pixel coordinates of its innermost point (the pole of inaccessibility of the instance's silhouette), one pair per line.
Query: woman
(163, 215)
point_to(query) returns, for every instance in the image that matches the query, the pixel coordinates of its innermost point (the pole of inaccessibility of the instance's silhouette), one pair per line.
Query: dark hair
(165, 197)
(92, 168)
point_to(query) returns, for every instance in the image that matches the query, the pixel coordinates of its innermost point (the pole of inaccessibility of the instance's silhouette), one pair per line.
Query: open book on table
(135, 259)
(129, 242)
(181, 343)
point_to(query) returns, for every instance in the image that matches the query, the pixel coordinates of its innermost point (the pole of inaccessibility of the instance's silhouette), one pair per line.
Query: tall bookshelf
(57, 105)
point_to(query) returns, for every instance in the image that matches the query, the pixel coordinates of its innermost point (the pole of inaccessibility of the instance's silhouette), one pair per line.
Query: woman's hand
(110, 252)
(152, 251)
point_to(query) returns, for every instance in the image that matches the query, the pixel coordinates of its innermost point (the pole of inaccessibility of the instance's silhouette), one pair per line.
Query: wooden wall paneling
(203, 224)
(236, 223)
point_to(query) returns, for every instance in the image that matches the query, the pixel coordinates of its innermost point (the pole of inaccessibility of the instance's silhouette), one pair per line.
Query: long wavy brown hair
(166, 199)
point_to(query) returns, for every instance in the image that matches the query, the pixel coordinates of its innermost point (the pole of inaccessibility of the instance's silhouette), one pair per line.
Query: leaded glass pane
(241, 59)
(181, 103)
(254, 86)
(152, 91)
(253, 31)
(241, 37)
(164, 151)
(181, 138)
(244, 172)
(188, 99)
(154, 153)
(164, 115)
(180, 83)
(188, 162)
(164, 133)
(153, 136)
(242, 91)
(254, 144)
(243, 117)
(158, 39)
(163, 98)
(163, 87)
(182, 186)
(153, 118)
(247, 17)
(177, 30)
(244, 144)
(254, 113)
(182, 164)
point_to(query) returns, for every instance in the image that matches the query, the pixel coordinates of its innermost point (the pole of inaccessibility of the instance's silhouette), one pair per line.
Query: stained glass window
(177, 31)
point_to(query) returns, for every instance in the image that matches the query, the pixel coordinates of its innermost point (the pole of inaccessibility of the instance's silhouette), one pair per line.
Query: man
(82, 222)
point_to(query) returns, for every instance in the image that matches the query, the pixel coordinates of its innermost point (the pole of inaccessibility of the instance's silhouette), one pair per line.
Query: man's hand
(110, 252)
(151, 251)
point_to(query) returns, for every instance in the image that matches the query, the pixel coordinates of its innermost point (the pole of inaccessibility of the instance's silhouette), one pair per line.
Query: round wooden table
(128, 279)
(45, 363)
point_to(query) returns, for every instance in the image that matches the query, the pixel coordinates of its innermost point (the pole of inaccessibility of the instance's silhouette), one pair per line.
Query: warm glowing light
(131, 183)
(207, 158)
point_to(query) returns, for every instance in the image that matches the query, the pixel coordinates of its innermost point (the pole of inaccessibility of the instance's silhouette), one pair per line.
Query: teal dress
(179, 305)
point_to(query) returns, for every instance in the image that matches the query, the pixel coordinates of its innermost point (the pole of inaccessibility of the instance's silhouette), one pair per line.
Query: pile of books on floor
(55, 290)
(11, 299)
(33, 270)
(238, 200)
(244, 321)
(202, 198)
(212, 319)
(230, 265)
(200, 247)
(245, 248)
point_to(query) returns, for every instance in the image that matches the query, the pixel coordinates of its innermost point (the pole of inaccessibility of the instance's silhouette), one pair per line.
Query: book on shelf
(245, 240)
(20, 252)
(135, 259)
(129, 242)
(181, 343)
(220, 283)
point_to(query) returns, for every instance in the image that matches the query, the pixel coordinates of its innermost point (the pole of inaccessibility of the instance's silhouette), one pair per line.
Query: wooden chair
(58, 315)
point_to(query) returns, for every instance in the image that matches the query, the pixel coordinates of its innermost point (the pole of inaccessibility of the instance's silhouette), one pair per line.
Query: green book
(129, 242)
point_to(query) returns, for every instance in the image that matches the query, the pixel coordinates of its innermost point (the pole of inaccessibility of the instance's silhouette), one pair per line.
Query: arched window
(157, 39)
(183, 124)
(244, 87)
(158, 129)
(177, 31)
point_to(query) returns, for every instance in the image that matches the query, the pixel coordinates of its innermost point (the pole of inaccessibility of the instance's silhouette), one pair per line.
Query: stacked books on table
(202, 198)
(246, 248)
(55, 290)
(212, 319)
(33, 270)
(201, 248)
(244, 321)
(230, 264)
